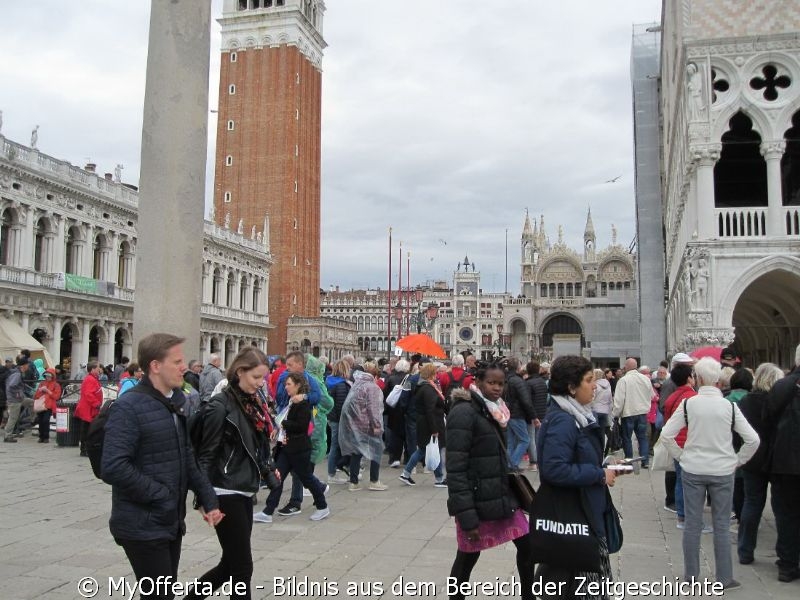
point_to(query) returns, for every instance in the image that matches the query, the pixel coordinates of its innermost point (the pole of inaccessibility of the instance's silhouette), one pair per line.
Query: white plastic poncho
(361, 421)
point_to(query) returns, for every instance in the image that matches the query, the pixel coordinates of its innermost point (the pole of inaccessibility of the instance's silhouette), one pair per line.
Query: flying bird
(612, 180)
(441, 240)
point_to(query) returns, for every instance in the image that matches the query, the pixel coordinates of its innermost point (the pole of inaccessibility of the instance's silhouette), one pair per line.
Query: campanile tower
(267, 171)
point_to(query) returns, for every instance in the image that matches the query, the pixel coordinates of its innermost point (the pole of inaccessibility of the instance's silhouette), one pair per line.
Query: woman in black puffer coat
(487, 513)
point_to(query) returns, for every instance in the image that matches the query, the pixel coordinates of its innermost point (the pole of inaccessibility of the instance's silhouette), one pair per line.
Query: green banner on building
(83, 285)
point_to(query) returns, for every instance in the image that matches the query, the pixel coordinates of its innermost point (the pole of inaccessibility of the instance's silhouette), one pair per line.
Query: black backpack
(196, 424)
(95, 438)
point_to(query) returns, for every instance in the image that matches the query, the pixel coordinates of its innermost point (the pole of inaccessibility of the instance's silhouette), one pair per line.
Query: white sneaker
(336, 480)
(261, 517)
(354, 487)
(320, 514)
(377, 486)
(395, 464)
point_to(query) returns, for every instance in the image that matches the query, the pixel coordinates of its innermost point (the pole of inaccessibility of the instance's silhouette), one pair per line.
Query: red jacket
(672, 403)
(456, 373)
(273, 380)
(51, 390)
(91, 399)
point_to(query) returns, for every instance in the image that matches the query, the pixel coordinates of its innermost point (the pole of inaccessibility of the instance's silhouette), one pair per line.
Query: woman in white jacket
(708, 462)
(602, 402)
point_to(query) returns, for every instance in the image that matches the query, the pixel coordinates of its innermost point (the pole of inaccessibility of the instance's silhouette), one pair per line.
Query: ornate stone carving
(705, 154)
(709, 337)
(773, 149)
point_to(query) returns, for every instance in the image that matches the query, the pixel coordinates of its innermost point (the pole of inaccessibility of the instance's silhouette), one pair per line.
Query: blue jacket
(570, 456)
(282, 398)
(150, 465)
(338, 388)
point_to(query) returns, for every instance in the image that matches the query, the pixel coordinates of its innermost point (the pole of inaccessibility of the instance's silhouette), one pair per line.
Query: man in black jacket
(783, 408)
(5, 369)
(537, 387)
(150, 465)
(518, 398)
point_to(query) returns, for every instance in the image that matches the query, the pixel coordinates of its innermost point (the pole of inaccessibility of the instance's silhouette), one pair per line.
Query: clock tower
(267, 170)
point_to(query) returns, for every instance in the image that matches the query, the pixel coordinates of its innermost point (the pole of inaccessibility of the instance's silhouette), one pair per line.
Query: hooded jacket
(209, 379)
(477, 465)
(50, 390)
(319, 437)
(91, 399)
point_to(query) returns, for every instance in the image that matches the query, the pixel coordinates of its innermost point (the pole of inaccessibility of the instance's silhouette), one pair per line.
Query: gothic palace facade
(68, 264)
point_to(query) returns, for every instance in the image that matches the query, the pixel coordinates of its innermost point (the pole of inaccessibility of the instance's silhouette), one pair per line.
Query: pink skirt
(493, 533)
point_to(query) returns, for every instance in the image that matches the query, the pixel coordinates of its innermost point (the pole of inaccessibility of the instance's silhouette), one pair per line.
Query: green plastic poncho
(319, 437)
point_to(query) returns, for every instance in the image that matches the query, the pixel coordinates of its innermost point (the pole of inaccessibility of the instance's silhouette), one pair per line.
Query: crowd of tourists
(723, 434)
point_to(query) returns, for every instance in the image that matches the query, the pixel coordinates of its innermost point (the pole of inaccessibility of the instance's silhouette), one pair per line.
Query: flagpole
(506, 260)
(389, 303)
(399, 291)
(408, 290)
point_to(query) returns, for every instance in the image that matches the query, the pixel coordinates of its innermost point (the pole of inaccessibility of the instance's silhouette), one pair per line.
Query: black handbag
(614, 441)
(519, 484)
(561, 533)
(611, 520)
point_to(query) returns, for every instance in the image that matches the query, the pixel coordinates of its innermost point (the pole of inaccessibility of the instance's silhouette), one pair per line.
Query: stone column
(127, 346)
(27, 241)
(26, 322)
(705, 156)
(112, 260)
(55, 340)
(105, 349)
(15, 235)
(59, 251)
(208, 282)
(772, 153)
(173, 171)
(80, 348)
(87, 252)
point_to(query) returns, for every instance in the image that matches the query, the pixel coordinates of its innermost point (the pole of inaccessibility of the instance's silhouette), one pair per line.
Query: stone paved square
(54, 532)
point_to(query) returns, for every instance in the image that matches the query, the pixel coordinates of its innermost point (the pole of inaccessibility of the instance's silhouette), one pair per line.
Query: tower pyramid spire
(589, 240)
(542, 242)
(527, 231)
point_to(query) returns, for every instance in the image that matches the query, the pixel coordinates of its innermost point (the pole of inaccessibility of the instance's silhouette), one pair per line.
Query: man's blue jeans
(517, 441)
(635, 424)
(419, 455)
(679, 491)
(755, 498)
(532, 444)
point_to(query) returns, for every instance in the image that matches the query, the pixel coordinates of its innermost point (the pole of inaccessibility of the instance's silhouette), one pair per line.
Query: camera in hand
(269, 477)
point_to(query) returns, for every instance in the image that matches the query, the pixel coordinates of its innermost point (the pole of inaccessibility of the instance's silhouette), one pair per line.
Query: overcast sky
(444, 119)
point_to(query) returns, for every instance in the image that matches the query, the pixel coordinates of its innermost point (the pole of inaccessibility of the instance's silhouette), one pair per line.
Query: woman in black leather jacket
(233, 451)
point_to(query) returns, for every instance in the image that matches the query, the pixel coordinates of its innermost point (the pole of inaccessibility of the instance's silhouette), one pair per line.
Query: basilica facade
(68, 263)
(574, 303)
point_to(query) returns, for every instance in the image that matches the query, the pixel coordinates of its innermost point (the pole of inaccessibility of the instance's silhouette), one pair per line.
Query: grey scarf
(582, 414)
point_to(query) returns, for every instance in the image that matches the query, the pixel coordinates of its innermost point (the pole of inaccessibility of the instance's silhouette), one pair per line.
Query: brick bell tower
(267, 171)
